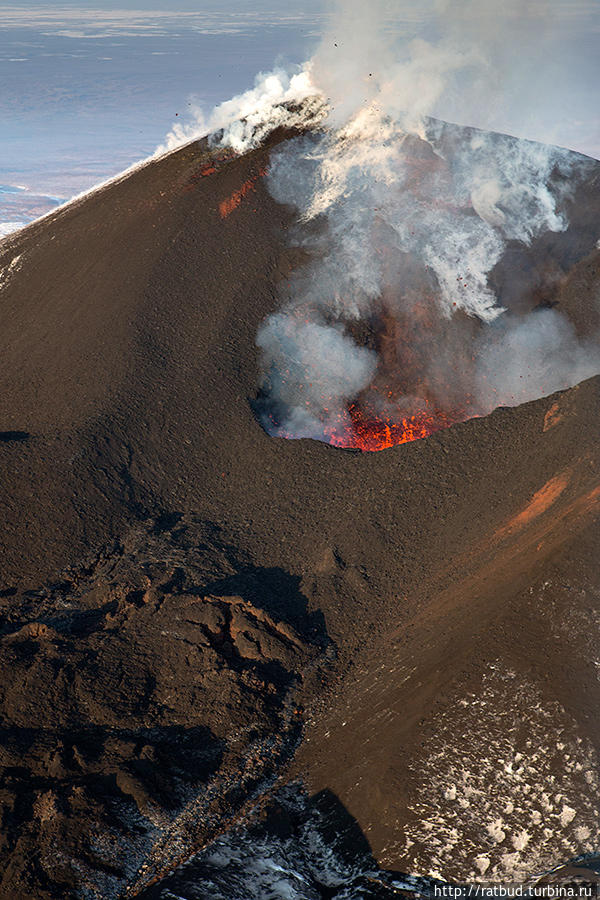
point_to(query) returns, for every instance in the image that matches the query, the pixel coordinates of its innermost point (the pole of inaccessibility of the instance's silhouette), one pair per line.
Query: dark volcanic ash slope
(181, 593)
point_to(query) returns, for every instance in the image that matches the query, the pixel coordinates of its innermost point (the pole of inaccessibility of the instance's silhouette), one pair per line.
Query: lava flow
(372, 433)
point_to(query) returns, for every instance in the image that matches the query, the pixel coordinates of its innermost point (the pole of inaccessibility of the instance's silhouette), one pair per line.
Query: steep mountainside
(191, 609)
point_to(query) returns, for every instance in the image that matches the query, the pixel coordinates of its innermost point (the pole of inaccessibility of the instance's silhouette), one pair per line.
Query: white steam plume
(407, 219)
(399, 228)
(280, 98)
(532, 357)
(521, 67)
(316, 371)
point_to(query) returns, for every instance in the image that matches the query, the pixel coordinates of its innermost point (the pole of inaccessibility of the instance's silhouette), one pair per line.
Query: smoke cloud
(316, 371)
(281, 98)
(403, 233)
(404, 320)
(522, 67)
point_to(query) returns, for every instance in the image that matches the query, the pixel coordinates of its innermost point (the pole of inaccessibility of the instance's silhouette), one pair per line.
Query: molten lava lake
(362, 429)
(372, 433)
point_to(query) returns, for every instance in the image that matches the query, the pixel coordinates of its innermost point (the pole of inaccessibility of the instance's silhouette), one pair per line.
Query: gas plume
(404, 318)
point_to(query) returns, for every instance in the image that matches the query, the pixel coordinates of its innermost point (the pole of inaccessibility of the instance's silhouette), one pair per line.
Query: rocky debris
(129, 694)
(293, 846)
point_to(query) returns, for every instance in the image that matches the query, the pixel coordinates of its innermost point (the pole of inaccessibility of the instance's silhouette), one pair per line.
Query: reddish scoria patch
(203, 172)
(227, 206)
(541, 501)
(553, 417)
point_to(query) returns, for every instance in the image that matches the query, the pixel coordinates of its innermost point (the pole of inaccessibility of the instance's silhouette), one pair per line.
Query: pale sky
(87, 88)
(86, 91)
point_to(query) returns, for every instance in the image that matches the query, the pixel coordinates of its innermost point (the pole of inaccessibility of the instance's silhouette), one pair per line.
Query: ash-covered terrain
(197, 616)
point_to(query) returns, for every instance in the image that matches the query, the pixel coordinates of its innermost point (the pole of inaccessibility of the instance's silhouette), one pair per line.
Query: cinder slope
(128, 327)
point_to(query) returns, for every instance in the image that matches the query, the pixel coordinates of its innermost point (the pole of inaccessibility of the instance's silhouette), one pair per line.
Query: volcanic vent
(405, 562)
(427, 292)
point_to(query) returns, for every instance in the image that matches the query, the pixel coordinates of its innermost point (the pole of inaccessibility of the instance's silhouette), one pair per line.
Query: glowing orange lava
(372, 433)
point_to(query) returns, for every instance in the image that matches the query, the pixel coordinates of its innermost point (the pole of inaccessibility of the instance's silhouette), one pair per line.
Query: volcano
(211, 635)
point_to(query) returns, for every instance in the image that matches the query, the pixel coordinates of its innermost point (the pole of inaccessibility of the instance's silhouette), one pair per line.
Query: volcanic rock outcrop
(194, 612)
